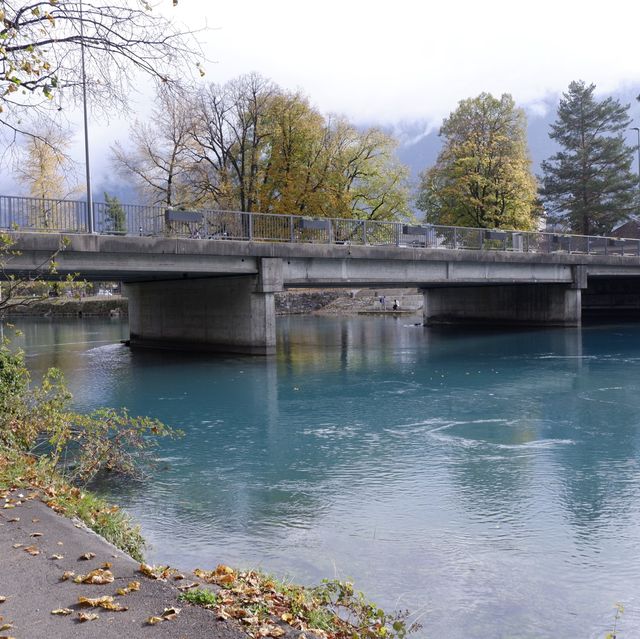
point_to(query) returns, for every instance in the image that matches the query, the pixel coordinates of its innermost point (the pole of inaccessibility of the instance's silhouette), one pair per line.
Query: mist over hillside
(420, 143)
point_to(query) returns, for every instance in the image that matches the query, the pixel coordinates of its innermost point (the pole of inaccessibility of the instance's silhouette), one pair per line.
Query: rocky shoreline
(291, 302)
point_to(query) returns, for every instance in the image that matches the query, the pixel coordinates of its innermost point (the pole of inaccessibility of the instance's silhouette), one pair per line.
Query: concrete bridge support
(524, 304)
(227, 314)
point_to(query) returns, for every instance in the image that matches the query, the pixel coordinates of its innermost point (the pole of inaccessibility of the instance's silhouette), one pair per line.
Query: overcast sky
(389, 63)
(405, 60)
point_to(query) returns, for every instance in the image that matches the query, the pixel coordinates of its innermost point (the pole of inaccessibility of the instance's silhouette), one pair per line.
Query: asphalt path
(37, 546)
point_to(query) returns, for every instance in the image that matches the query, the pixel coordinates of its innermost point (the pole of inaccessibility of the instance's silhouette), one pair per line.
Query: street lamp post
(90, 220)
(637, 130)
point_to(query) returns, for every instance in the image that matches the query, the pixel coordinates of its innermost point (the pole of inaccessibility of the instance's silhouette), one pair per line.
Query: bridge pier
(524, 304)
(226, 314)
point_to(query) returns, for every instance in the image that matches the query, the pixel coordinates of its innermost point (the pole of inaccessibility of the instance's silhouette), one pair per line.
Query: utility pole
(637, 130)
(90, 220)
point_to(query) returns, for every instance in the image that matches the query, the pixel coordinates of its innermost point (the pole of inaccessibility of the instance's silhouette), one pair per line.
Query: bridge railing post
(364, 232)
(455, 238)
(291, 229)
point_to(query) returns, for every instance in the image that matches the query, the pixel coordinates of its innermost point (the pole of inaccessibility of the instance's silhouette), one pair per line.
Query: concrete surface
(33, 588)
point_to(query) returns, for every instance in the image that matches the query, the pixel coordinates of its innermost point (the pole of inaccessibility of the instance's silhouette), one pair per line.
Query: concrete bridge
(218, 293)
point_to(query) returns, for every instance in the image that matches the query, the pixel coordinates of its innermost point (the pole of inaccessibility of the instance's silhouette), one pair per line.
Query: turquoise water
(487, 482)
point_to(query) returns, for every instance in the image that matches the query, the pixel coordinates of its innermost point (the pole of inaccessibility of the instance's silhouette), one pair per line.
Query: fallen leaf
(187, 586)
(36, 534)
(62, 611)
(2, 599)
(35, 520)
(17, 545)
(32, 550)
(170, 613)
(178, 576)
(87, 556)
(105, 602)
(152, 621)
(106, 565)
(6, 626)
(57, 556)
(155, 572)
(67, 574)
(133, 585)
(87, 616)
(13, 520)
(98, 576)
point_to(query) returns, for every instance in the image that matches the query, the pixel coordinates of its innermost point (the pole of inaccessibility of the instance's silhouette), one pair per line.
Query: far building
(630, 229)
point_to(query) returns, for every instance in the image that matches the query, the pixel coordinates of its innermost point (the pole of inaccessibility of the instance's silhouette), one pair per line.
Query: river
(488, 482)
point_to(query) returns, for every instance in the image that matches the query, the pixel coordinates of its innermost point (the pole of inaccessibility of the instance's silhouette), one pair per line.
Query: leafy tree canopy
(250, 145)
(482, 177)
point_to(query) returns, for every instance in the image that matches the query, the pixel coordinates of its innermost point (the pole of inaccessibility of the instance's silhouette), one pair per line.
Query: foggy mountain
(419, 150)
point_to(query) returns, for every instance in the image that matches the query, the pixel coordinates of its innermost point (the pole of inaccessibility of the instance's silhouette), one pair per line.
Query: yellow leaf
(87, 616)
(98, 576)
(32, 550)
(62, 611)
(95, 601)
(152, 621)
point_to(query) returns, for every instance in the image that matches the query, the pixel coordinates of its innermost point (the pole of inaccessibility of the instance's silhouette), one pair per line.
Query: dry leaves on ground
(105, 602)
(87, 616)
(99, 576)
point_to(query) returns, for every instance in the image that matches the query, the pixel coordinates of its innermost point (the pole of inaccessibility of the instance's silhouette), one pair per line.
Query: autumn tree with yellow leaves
(249, 145)
(482, 177)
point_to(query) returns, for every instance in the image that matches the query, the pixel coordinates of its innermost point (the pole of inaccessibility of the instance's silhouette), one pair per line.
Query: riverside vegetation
(46, 445)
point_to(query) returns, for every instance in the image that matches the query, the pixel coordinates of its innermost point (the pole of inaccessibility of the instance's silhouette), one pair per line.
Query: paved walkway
(37, 546)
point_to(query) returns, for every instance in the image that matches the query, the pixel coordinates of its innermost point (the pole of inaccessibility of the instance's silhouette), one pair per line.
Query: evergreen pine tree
(114, 214)
(588, 185)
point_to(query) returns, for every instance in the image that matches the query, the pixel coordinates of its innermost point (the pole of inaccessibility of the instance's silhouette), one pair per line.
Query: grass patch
(21, 470)
(332, 609)
(199, 597)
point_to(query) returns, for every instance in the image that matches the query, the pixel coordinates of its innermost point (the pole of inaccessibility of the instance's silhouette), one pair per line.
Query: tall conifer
(588, 185)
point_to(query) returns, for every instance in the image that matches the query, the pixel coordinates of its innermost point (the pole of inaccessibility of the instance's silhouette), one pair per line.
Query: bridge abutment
(226, 314)
(524, 304)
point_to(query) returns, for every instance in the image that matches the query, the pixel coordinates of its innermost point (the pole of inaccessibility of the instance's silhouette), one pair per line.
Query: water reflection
(480, 477)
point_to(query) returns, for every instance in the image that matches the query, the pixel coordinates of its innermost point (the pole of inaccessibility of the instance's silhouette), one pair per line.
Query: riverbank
(94, 306)
(42, 557)
(292, 302)
(59, 578)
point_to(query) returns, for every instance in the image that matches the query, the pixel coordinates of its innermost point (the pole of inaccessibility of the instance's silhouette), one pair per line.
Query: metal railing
(69, 216)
